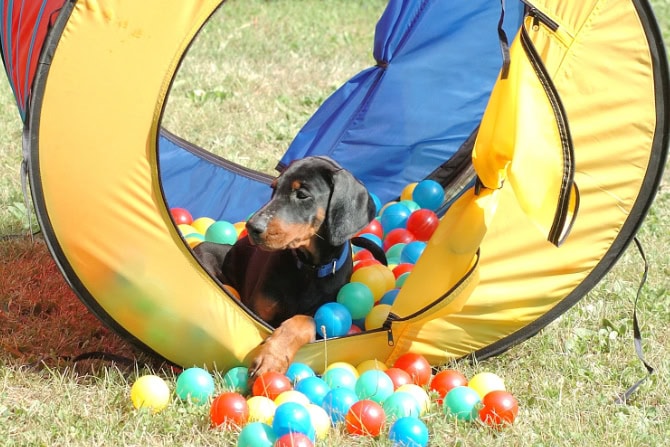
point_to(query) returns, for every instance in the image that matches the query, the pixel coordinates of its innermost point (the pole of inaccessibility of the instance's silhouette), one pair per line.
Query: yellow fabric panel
(97, 141)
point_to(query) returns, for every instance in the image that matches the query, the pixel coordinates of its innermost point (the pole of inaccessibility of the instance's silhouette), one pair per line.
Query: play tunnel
(545, 123)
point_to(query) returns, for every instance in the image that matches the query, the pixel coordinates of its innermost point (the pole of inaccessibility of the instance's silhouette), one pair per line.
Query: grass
(245, 96)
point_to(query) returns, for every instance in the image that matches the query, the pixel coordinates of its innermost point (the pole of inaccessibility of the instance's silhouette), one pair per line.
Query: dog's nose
(255, 228)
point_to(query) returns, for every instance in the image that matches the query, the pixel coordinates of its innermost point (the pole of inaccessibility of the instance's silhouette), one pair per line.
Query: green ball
(374, 385)
(221, 232)
(256, 434)
(357, 298)
(237, 379)
(401, 404)
(195, 384)
(462, 402)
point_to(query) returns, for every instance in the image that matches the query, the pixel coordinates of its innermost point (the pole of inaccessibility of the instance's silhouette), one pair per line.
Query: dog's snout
(255, 229)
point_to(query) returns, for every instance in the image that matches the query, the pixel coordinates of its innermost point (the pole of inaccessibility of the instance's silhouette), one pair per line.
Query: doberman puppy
(297, 254)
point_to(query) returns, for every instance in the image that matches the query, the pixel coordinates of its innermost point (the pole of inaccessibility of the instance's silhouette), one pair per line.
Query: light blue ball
(332, 320)
(195, 384)
(409, 432)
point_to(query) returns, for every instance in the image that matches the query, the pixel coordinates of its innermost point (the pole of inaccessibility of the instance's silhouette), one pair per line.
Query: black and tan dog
(297, 254)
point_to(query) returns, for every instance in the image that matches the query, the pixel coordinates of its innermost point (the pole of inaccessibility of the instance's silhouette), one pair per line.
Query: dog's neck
(319, 253)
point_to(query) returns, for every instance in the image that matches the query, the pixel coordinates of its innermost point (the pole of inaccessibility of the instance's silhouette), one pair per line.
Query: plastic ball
(294, 440)
(398, 376)
(377, 316)
(374, 227)
(394, 216)
(271, 384)
(412, 252)
(229, 408)
(195, 384)
(372, 237)
(332, 320)
(298, 371)
(181, 216)
(202, 223)
(320, 421)
(357, 298)
(292, 396)
(261, 409)
(423, 223)
(376, 201)
(401, 404)
(377, 277)
(221, 232)
(401, 269)
(419, 394)
(445, 380)
(365, 418)
(237, 379)
(411, 206)
(485, 382)
(337, 403)
(363, 255)
(340, 378)
(230, 290)
(409, 432)
(428, 194)
(315, 388)
(397, 236)
(256, 434)
(370, 365)
(150, 392)
(400, 280)
(416, 366)
(194, 239)
(462, 402)
(498, 408)
(393, 253)
(292, 417)
(389, 297)
(406, 193)
(374, 385)
(186, 230)
(354, 329)
(364, 263)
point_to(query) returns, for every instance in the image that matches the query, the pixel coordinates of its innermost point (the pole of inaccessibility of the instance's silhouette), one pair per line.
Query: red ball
(365, 418)
(399, 377)
(229, 408)
(181, 216)
(445, 380)
(397, 236)
(374, 227)
(363, 254)
(294, 440)
(402, 268)
(271, 384)
(354, 330)
(422, 223)
(365, 263)
(498, 408)
(416, 366)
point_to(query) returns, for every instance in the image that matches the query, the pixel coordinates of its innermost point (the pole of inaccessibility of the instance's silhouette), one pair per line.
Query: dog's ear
(350, 209)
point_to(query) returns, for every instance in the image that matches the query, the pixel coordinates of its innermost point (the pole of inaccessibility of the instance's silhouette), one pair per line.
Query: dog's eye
(300, 194)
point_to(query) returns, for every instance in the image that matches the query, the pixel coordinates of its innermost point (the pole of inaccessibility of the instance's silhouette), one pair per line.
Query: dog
(297, 254)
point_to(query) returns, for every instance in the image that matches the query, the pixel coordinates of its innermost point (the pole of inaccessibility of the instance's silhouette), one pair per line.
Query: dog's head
(314, 195)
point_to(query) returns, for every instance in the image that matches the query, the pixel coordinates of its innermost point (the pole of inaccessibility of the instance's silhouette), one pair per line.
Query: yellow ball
(239, 226)
(345, 365)
(194, 239)
(377, 277)
(421, 396)
(202, 223)
(407, 191)
(261, 409)
(320, 421)
(377, 316)
(372, 364)
(185, 229)
(150, 392)
(292, 396)
(485, 382)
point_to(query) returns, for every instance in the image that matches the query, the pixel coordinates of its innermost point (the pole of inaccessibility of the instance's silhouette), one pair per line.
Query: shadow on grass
(44, 324)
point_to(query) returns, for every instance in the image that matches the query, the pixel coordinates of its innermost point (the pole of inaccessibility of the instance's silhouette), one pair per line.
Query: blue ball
(292, 417)
(394, 216)
(340, 378)
(334, 318)
(299, 371)
(372, 237)
(412, 252)
(411, 204)
(195, 384)
(428, 194)
(389, 297)
(338, 402)
(409, 432)
(377, 202)
(315, 388)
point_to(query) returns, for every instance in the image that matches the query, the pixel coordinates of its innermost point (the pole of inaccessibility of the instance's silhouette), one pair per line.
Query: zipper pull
(389, 330)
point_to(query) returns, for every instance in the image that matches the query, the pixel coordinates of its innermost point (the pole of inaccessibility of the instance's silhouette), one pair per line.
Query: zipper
(539, 17)
(389, 330)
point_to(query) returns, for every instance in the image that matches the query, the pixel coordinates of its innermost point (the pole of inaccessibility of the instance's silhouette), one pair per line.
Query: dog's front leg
(277, 351)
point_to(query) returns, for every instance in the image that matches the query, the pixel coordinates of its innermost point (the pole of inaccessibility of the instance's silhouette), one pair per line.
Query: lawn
(255, 63)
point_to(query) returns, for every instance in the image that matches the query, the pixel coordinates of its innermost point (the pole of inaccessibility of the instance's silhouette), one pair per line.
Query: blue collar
(330, 268)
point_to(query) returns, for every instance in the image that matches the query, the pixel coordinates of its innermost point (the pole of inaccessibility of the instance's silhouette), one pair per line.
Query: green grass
(255, 74)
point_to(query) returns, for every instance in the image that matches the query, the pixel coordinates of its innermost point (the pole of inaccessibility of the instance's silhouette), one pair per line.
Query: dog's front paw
(269, 358)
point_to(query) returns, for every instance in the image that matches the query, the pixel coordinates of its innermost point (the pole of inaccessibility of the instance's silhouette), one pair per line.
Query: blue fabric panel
(395, 123)
(208, 188)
